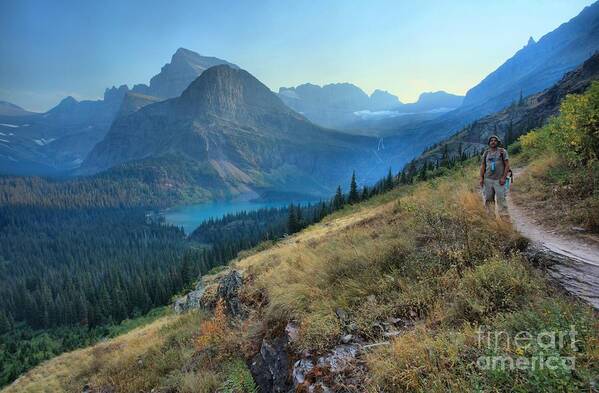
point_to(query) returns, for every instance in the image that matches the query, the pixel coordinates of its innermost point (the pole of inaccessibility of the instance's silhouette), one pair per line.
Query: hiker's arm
(482, 173)
(506, 171)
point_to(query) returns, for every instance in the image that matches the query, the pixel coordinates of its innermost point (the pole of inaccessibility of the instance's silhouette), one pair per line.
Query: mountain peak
(185, 55)
(229, 91)
(383, 100)
(174, 77)
(10, 109)
(531, 41)
(115, 94)
(184, 51)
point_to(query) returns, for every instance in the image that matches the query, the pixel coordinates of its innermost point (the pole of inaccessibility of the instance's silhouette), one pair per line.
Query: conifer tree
(364, 193)
(521, 100)
(388, 181)
(354, 197)
(338, 200)
(509, 133)
(292, 221)
(299, 218)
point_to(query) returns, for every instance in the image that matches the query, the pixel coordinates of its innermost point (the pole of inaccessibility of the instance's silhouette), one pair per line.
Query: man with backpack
(494, 171)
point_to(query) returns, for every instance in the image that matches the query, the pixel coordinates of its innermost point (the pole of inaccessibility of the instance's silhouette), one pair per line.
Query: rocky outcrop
(270, 366)
(338, 370)
(228, 290)
(190, 301)
(225, 287)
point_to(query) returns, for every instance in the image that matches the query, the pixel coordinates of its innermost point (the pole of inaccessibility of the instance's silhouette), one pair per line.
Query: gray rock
(228, 290)
(300, 369)
(342, 314)
(340, 358)
(191, 300)
(270, 366)
(341, 366)
(292, 331)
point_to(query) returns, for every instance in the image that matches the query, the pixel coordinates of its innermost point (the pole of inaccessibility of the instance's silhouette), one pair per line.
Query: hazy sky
(51, 49)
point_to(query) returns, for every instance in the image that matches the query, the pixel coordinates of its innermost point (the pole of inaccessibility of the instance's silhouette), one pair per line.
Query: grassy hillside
(426, 254)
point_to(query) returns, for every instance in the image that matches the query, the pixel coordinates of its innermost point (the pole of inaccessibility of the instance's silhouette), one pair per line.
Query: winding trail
(575, 262)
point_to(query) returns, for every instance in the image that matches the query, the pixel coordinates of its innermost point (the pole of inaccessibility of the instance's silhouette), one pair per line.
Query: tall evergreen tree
(353, 197)
(292, 220)
(509, 133)
(389, 180)
(338, 200)
(364, 195)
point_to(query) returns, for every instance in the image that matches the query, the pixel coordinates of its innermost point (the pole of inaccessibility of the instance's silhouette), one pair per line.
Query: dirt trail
(576, 265)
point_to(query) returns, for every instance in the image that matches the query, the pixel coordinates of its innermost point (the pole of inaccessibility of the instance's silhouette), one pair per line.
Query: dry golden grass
(68, 372)
(559, 197)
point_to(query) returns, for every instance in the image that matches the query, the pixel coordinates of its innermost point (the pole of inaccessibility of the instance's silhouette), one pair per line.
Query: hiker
(494, 171)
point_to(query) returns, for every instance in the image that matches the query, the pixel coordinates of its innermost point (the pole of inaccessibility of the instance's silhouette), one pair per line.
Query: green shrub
(574, 134)
(493, 287)
(239, 379)
(318, 331)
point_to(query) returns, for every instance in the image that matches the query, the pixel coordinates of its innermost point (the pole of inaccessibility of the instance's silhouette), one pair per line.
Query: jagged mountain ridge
(539, 65)
(231, 123)
(564, 49)
(174, 77)
(346, 106)
(534, 111)
(58, 140)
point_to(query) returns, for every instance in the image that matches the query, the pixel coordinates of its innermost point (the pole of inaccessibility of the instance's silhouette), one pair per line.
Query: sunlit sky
(51, 49)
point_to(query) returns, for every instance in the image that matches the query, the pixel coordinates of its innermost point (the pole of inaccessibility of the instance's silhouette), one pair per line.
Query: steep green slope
(421, 272)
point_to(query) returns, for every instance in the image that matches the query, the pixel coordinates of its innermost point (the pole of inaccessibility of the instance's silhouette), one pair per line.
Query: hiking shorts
(494, 192)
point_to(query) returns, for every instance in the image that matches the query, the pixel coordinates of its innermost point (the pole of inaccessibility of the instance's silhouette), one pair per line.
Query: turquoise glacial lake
(191, 216)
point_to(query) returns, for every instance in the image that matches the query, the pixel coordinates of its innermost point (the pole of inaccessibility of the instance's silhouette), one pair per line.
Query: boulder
(191, 300)
(338, 369)
(228, 291)
(270, 366)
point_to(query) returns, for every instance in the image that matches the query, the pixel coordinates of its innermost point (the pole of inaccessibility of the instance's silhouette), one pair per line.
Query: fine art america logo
(527, 351)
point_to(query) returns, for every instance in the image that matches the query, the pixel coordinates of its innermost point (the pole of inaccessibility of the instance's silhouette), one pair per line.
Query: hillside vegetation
(427, 254)
(562, 180)
(451, 279)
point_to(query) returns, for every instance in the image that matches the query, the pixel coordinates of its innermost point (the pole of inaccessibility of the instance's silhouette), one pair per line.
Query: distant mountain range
(345, 106)
(236, 145)
(8, 109)
(57, 141)
(517, 119)
(535, 67)
(237, 136)
(539, 65)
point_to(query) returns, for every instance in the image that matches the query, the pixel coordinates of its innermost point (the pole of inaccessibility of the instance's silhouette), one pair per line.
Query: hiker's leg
(489, 196)
(501, 201)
